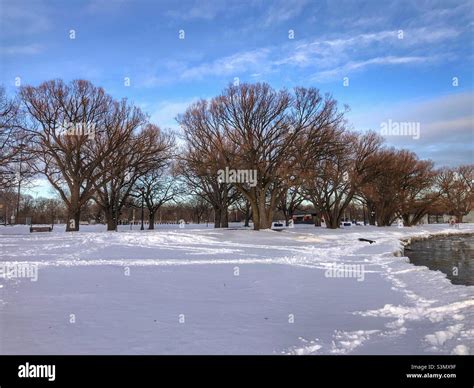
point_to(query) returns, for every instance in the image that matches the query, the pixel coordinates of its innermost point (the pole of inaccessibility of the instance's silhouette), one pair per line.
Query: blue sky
(399, 57)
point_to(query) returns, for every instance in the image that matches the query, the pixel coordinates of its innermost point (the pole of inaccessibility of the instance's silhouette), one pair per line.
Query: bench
(40, 229)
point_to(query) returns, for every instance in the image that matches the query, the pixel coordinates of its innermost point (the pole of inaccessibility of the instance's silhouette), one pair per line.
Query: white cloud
(338, 56)
(21, 17)
(199, 10)
(334, 56)
(446, 126)
(351, 67)
(233, 65)
(164, 114)
(21, 50)
(104, 5)
(283, 10)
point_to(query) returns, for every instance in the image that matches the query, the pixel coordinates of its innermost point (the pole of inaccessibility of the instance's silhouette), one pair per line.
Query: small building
(445, 218)
(304, 217)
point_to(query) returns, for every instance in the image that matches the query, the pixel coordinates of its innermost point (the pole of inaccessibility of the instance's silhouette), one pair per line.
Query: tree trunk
(268, 219)
(151, 219)
(224, 218)
(247, 218)
(255, 214)
(332, 223)
(73, 218)
(110, 218)
(371, 213)
(383, 220)
(406, 220)
(264, 219)
(217, 218)
(262, 215)
(111, 223)
(317, 220)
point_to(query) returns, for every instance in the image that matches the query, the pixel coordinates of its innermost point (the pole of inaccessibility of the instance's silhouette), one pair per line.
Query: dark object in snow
(366, 240)
(278, 226)
(40, 229)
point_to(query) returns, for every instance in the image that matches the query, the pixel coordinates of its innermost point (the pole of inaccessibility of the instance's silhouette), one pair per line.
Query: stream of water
(452, 255)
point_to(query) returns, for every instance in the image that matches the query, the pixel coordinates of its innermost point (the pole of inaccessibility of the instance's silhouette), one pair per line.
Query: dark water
(446, 254)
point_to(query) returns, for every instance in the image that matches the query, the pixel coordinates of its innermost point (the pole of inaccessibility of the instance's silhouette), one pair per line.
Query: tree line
(296, 146)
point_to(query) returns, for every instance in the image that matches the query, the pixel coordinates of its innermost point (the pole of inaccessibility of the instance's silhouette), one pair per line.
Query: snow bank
(200, 290)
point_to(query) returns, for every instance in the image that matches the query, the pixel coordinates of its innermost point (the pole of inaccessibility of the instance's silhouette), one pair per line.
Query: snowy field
(199, 290)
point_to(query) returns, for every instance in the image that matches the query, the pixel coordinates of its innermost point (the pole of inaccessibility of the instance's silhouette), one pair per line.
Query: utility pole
(21, 145)
(142, 189)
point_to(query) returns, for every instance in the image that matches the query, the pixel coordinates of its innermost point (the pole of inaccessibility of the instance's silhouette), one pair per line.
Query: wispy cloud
(438, 14)
(231, 65)
(21, 50)
(333, 57)
(21, 17)
(446, 124)
(283, 10)
(98, 6)
(164, 113)
(352, 67)
(343, 47)
(199, 10)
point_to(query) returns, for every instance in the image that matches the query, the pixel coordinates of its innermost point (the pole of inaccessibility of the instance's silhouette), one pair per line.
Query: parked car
(346, 223)
(278, 225)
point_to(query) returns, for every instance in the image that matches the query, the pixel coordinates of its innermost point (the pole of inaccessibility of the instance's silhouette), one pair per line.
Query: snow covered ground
(199, 290)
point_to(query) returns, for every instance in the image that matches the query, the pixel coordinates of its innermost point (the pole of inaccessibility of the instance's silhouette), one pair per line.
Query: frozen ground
(199, 290)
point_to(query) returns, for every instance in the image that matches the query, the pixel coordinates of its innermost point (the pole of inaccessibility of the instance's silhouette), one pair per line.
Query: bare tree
(139, 152)
(201, 209)
(455, 185)
(330, 184)
(290, 202)
(243, 205)
(263, 132)
(401, 180)
(12, 143)
(158, 187)
(75, 127)
(200, 162)
(418, 196)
